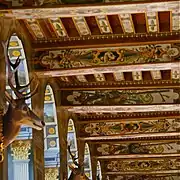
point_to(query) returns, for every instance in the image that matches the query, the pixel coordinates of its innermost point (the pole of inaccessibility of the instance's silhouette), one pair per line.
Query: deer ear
(10, 99)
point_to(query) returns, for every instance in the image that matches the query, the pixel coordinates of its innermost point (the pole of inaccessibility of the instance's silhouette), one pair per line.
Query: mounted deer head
(18, 112)
(77, 172)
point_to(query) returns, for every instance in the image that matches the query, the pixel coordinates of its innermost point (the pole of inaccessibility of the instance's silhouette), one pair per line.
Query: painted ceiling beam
(128, 116)
(158, 117)
(109, 69)
(143, 172)
(120, 85)
(135, 156)
(124, 108)
(91, 10)
(131, 136)
(106, 41)
(94, 143)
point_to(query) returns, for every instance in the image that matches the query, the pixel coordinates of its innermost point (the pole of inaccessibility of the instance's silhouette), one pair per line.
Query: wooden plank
(137, 156)
(123, 108)
(109, 69)
(134, 136)
(143, 173)
(91, 10)
(95, 41)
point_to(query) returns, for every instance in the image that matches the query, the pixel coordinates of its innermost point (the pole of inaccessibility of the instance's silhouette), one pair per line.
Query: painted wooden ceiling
(117, 66)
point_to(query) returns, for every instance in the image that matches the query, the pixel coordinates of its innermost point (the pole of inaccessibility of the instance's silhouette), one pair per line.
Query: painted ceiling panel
(144, 177)
(58, 27)
(120, 97)
(105, 149)
(115, 136)
(82, 26)
(110, 56)
(142, 165)
(130, 127)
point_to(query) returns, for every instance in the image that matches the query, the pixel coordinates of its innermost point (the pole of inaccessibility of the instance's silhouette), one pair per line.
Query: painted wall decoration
(119, 97)
(111, 56)
(48, 113)
(130, 127)
(87, 162)
(138, 148)
(50, 118)
(143, 165)
(71, 136)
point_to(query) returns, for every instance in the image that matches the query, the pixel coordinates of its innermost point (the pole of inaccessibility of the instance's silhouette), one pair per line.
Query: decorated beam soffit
(41, 13)
(128, 55)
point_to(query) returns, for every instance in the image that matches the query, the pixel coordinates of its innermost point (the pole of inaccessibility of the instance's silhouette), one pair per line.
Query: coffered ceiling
(117, 67)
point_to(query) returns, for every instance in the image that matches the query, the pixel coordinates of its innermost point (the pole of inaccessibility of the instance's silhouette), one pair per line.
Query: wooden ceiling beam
(109, 69)
(106, 41)
(121, 85)
(158, 117)
(128, 137)
(129, 116)
(172, 172)
(137, 156)
(123, 108)
(91, 9)
(112, 142)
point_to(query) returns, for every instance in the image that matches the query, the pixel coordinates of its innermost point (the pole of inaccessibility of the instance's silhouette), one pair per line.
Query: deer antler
(73, 157)
(13, 69)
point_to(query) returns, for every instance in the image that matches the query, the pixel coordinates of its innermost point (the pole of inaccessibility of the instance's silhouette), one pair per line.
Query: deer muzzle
(37, 123)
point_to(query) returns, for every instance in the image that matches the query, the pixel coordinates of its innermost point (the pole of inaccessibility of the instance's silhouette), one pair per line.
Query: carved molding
(51, 173)
(20, 149)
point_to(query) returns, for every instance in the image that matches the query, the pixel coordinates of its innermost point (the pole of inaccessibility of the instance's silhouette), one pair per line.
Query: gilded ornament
(51, 173)
(13, 44)
(47, 98)
(16, 53)
(52, 143)
(51, 130)
(20, 149)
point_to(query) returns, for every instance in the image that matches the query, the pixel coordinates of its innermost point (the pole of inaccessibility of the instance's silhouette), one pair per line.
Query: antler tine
(14, 66)
(13, 69)
(72, 156)
(31, 94)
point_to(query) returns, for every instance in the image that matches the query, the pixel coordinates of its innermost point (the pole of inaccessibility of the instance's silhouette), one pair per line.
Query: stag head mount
(76, 168)
(18, 113)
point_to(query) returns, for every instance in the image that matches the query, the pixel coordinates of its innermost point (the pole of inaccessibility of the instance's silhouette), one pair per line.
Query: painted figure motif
(143, 165)
(112, 56)
(133, 127)
(18, 112)
(117, 97)
(138, 148)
